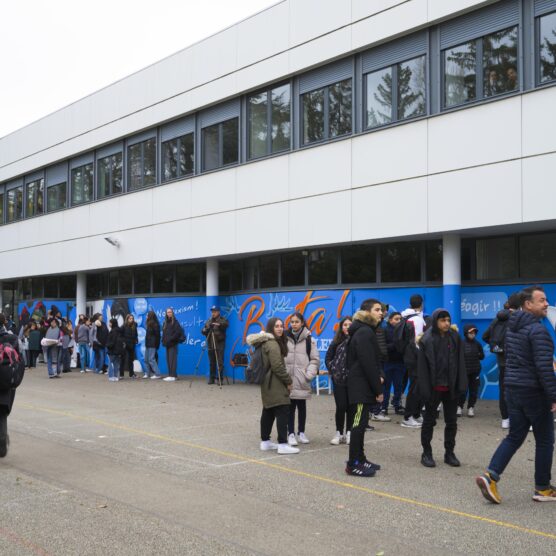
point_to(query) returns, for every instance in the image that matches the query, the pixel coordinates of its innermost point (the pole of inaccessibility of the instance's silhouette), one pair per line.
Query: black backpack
(404, 333)
(498, 336)
(338, 366)
(255, 371)
(12, 367)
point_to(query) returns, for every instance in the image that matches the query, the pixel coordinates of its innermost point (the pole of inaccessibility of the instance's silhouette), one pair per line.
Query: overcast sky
(55, 52)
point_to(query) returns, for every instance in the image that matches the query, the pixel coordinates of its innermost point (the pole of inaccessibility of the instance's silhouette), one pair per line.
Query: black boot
(427, 460)
(4, 438)
(450, 459)
(211, 380)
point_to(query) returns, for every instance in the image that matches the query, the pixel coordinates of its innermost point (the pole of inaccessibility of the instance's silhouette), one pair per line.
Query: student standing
(82, 337)
(302, 363)
(394, 369)
(53, 334)
(115, 349)
(473, 354)
(34, 343)
(130, 341)
(172, 335)
(152, 343)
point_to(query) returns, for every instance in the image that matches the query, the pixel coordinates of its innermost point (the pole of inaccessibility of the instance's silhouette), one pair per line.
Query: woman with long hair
(275, 387)
(302, 362)
(172, 335)
(152, 343)
(130, 341)
(34, 343)
(335, 360)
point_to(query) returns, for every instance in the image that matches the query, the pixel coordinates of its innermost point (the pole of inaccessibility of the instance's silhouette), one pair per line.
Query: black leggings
(343, 410)
(127, 361)
(473, 389)
(301, 406)
(280, 413)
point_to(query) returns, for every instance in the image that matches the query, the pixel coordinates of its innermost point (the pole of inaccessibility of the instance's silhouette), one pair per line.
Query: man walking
(530, 395)
(215, 331)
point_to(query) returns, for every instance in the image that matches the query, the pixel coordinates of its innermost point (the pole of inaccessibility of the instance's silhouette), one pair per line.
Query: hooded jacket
(529, 355)
(428, 375)
(7, 396)
(99, 334)
(472, 352)
(274, 388)
(152, 335)
(301, 367)
(497, 330)
(363, 360)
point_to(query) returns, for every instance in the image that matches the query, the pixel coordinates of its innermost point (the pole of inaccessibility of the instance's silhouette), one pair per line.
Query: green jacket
(274, 388)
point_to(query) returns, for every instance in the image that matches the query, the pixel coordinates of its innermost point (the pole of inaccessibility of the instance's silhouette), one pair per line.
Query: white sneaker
(287, 449)
(505, 423)
(459, 412)
(169, 379)
(380, 417)
(470, 412)
(155, 377)
(411, 423)
(267, 445)
(303, 439)
(145, 375)
(292, 441)
(418, 420)
(81, 371)
(348, 437)
(337, 439)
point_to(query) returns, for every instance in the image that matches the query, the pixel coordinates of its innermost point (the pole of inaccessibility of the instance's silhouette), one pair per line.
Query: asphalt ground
(148, 467)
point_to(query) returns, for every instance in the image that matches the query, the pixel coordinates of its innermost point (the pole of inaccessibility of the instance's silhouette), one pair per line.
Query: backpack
(498, 336)
(404, 334)
(338, 366)
(255, 371)
(12, 367)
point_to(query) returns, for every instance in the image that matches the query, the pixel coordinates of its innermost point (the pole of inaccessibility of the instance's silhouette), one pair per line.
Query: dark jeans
(172, 360)
(502, 394)
(360, 414)
(33, 354)
(527, 408)
(343, 409)
(100, 358)
(216, 356)
(281, 414)
(450, 407)
(412, 402)
(473, 390)
(301, 406)
(127, 361)
(3, 430)
(394, 373)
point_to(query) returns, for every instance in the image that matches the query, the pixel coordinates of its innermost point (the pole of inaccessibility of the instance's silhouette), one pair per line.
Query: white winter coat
(302, 369)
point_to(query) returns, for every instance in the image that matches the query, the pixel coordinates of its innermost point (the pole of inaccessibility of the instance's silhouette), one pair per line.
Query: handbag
(240, 360)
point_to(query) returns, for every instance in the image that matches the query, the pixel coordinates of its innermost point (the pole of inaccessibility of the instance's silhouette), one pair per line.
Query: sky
(56, 52)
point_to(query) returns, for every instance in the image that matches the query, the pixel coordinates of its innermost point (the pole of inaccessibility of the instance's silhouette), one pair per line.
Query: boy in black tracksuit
(442, 378)
(364, 383)
(473, 354)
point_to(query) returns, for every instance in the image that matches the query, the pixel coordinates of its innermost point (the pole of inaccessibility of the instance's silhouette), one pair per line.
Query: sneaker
(505, 423)
(145, 375)
(348, 437)
(427, 460)
(375, 466)
(470, 412)
(488, 488)
(380, 417)
(267, 445)
(369, 428)
(303, 439)
(155, 377)
(292, 441)
(287, 449)
(169, 379)
(411, 423)
(459, 412)
(360, 470)
(418, 419)
(548, 495)
(451, 459)
(81, 371)
(399, 410)
(337, 439)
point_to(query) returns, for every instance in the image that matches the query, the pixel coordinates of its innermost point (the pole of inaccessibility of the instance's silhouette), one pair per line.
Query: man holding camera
(215, 331)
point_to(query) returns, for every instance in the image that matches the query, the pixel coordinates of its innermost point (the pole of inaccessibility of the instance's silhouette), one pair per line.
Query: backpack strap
(308, 346)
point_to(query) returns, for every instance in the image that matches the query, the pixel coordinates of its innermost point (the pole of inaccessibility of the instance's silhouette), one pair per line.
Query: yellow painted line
(284, 469)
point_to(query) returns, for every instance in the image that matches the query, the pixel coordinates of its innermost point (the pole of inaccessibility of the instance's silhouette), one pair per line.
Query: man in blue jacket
(530, 395)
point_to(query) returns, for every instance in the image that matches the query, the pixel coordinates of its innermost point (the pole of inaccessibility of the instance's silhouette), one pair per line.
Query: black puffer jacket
(363, 360)
(7, 396)
(394, 356)
(152, 336)
(495, 335)
(529, 355)
(172, 333)
(473, 352)
(129, 334)
(380, 334)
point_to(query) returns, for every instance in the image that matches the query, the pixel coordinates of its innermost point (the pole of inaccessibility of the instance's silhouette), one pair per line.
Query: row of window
(472, 70)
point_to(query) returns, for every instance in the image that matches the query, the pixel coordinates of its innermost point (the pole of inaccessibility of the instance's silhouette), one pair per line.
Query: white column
(212, 278)
(81, 293)
(2, 297)
(451, 264)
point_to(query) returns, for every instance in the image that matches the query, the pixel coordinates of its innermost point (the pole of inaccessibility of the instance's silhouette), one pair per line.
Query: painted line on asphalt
(320, 478)
(20, 541)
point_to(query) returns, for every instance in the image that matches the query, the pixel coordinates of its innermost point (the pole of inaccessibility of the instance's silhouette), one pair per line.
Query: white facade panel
(390, 154)
(361, 9)
(259, 74)
(320, 170)
(539, 193)
(172, 201)
(474, 198)
(439, 10)
(75, 222)
(539, 122)
(486, 133)
(260, 228)
(214, 192)
(171, 241)
(213, 235)
(105, 217)
(372, 217)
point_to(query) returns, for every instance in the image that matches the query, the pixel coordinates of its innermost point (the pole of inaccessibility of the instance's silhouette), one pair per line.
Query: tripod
(205, 348)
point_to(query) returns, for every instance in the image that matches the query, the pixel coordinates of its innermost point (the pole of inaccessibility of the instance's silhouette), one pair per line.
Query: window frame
(537, 49)
(48, 189)
(97, 195)
(142, 143)
(220, 126)
(81, 167)
(179, 175)
(19, 186)
(36, 196)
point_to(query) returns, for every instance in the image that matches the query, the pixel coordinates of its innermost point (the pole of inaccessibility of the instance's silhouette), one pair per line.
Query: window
(82, 184)
(35, 197)
(188, 278)
(293, 269)
(269, 121)
(269, 266)
(141, 160)
(498, 68)
(2, 208)
(163, 279)
(113, 282)
(323, 267)
(220, 144)
(67, 286)
(95, 286)
(109, 175)
(433, 261)
(536, 256)
(400, 262)
(56, 197)
(178, 158)
(230, 276)
(359, 264)
(142, 280)
(496, 258)
(50, 287)
(14, 208)
(396, 93)
(125, 282)
(327, 112)
(37, 287)
(547, 48)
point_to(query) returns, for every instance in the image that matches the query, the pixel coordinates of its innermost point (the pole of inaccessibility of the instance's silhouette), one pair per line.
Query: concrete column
(212, 282)
(80, 293)
(2, 297)
(451, 259)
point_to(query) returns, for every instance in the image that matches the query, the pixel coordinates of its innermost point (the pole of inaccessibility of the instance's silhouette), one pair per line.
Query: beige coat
(302, 369)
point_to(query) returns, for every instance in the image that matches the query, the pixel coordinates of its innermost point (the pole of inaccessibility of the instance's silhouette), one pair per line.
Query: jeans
(114, 367)
(502, 395)
(150, 362)
(301, 406)
(52, 360)
(100, 357)
(450, 407)
(280, 413)
(527, 408)
(83, 355)
(394, 373)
